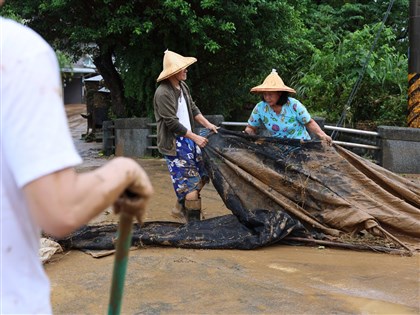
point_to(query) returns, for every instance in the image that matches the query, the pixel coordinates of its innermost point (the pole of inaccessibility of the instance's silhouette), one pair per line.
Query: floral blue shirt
(290, 123)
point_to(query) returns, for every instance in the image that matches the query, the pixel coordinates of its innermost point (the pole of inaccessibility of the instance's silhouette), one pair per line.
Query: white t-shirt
(35, 141)
(182, 113)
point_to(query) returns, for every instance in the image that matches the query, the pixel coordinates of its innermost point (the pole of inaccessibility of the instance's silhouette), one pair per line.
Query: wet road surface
(278, 279)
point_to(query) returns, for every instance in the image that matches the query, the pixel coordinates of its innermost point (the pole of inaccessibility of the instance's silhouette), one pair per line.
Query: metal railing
(358, 132)
(152, 136)
(328, 127)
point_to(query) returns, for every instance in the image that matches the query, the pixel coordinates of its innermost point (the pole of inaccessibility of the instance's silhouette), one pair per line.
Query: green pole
(120, 264)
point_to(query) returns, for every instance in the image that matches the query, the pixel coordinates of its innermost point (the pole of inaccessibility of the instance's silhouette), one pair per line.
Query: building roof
(78, 70)
(104, 90)
(95, 78)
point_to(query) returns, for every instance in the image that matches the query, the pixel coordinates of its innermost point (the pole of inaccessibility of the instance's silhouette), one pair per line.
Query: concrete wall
(108, 138)
(131, 137)
(400, 149)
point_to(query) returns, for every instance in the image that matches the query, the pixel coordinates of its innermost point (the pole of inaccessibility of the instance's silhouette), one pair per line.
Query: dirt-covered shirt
(35, 142)
(289, 123)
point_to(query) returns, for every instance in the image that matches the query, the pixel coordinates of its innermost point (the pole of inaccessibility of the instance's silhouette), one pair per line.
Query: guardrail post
(400, 149)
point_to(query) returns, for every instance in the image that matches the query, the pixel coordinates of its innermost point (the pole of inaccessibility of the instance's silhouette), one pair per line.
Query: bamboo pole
(375, 248)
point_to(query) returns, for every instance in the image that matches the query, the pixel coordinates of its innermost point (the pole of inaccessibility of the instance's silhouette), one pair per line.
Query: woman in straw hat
(175, 113)
(282, 115)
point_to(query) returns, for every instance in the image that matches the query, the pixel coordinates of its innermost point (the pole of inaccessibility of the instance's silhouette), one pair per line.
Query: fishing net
(287, 191)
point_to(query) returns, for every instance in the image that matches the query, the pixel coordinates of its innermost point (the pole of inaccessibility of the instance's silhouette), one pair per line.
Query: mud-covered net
(287, 191)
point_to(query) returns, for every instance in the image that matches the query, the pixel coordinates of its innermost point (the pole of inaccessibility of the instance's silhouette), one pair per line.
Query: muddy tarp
(223, 232)
(328, 189)
(281, 190)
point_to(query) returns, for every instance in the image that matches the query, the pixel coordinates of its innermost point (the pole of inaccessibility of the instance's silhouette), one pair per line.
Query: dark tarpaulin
(279, 190)
(224, 232)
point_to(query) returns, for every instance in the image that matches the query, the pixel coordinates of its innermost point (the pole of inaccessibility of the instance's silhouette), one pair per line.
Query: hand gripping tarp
(280, 190)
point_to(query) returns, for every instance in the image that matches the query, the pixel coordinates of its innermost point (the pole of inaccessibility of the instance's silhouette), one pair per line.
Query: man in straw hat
(40, 190)
(282, 115)
(175, 113)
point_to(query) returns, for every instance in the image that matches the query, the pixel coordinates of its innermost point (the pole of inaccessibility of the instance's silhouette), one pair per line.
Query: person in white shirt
(40, 190)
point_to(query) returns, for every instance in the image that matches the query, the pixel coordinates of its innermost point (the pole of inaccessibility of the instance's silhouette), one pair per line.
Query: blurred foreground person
(282, 115)
(40, 190)
(175, 113)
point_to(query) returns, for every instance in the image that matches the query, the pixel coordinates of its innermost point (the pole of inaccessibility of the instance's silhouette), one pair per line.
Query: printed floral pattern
(290, 123)
(186, 168)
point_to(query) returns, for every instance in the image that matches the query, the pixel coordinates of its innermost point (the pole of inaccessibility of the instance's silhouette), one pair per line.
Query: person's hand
(135, 198)
(328, 139)
(134, 205)
(200, 141)
(249, 131)
(213, 128)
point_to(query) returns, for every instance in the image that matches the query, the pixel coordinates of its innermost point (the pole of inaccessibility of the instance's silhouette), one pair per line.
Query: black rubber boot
(193, 210)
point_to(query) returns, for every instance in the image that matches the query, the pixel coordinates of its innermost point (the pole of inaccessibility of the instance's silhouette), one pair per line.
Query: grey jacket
(165, 105)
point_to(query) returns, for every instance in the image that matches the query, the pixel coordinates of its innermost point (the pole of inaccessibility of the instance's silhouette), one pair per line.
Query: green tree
(318, 47)
(79, 27)
(342, 31)
(334, 71)
(236, 43)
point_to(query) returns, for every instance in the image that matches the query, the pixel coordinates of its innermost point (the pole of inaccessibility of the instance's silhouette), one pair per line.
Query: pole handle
(123, 244)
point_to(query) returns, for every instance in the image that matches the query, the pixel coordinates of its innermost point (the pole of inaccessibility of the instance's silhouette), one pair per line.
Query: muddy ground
(274, 280)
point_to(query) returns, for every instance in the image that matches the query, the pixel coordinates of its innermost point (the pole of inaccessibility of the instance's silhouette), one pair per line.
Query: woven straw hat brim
(272, 83)
(176, 67)
(262, 88)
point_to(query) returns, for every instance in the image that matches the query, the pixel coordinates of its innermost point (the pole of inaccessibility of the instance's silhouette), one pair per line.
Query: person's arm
(313, 127)
(254, 121)
(64, 200)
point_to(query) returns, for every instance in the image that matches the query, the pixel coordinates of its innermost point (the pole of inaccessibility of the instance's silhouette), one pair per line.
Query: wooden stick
(350, 246)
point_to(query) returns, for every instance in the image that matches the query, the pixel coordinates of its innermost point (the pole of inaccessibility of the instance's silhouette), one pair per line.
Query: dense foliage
(343, 33)
(318, 47)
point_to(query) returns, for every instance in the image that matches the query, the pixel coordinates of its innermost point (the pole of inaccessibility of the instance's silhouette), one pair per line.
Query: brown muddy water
(278, 279)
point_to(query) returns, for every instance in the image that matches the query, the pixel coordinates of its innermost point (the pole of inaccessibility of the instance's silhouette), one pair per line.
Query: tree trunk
(112, 80)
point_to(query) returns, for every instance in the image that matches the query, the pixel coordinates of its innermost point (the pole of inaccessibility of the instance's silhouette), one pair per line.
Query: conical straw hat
(272, 83)
(174, 63)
